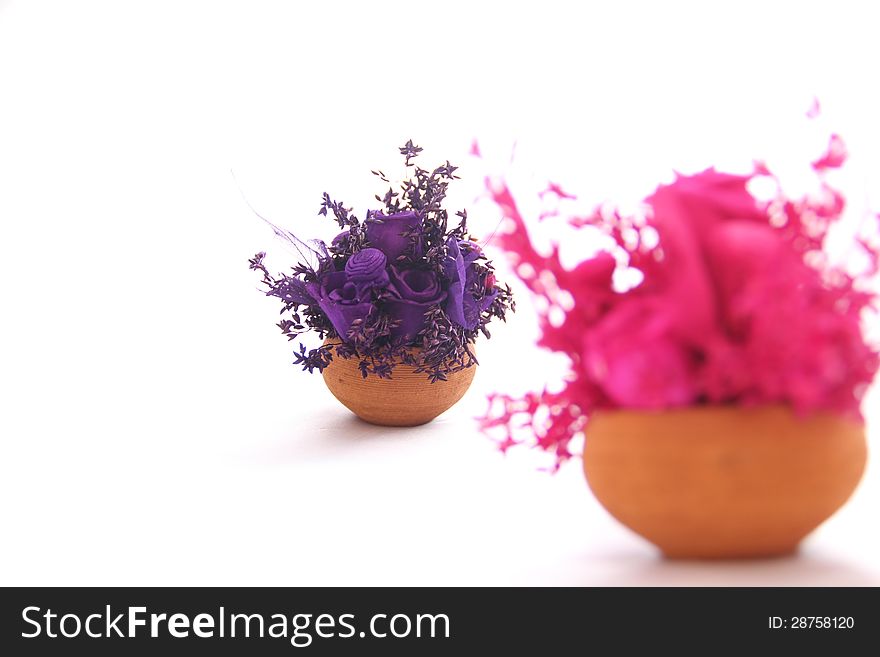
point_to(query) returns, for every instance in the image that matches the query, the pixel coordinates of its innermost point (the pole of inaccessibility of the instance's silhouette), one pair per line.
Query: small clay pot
(723, 482)
(407, 399)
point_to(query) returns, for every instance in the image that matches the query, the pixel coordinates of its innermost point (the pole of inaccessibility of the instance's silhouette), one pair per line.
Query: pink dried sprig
(545, 420)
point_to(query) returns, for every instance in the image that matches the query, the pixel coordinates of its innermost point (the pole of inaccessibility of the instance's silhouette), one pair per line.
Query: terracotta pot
(406, 399)
(723, 482)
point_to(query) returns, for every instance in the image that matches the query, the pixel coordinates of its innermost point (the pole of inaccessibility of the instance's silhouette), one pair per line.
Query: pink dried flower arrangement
(738, 304)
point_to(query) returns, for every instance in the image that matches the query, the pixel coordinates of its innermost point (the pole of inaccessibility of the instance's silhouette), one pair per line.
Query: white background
(153, 431)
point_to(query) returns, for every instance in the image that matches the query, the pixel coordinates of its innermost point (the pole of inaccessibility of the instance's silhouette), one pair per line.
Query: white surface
(152, 429)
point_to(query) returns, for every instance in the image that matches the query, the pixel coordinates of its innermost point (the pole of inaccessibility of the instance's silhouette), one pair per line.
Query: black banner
(401, 621)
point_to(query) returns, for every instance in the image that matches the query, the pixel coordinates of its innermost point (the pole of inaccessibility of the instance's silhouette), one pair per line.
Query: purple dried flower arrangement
(399, 287)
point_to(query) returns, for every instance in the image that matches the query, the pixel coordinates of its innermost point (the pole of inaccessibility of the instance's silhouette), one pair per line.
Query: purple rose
(341, 301)
(366, 268)
(413, 292)
(388, 234)
(462, 306)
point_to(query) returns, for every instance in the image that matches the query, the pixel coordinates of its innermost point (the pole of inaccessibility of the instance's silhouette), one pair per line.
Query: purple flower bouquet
(401, 287)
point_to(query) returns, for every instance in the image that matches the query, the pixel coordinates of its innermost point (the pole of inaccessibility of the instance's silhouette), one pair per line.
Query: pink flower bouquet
(738, 303)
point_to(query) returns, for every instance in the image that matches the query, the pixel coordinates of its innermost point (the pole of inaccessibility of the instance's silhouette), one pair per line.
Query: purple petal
(410, 315)
(387, 233)
(455, 271)
(342, 315)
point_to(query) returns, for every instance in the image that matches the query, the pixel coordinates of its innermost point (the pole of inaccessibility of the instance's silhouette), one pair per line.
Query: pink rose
(634, 359)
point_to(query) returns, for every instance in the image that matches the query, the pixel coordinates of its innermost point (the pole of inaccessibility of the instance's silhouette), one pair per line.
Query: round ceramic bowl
(407, 399)
(723, 482)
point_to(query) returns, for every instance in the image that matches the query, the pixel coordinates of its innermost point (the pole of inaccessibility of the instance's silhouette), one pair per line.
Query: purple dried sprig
(342, 214)
(409, 151)
(314, 359)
